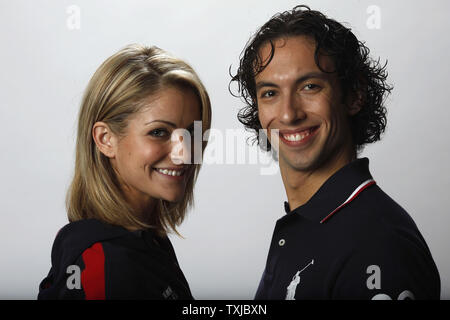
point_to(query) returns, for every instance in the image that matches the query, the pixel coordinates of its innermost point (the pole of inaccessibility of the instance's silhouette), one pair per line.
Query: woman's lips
(299, 137)
(172, 173)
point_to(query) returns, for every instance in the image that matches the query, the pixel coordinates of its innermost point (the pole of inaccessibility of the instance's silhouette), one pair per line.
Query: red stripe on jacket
(93, 275)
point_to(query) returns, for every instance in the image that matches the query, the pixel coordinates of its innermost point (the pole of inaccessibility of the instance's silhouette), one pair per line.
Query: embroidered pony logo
(292, 287)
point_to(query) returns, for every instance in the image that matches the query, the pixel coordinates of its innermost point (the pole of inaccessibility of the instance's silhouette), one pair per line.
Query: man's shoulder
(385, 238)
(377, 212)
(374, 220)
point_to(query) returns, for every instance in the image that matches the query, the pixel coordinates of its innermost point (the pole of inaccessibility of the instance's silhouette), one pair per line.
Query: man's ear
(104, 139)
(355, 104)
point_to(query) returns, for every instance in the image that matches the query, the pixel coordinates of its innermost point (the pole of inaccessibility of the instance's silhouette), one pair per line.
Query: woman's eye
(159, 133)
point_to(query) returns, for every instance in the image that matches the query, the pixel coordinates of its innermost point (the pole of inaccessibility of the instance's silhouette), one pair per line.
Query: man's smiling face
(303, 103)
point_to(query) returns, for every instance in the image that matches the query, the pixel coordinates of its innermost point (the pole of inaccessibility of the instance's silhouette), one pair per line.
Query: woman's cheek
(153, 152)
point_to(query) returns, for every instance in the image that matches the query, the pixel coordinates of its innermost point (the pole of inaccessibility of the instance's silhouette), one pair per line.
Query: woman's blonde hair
(112, 95)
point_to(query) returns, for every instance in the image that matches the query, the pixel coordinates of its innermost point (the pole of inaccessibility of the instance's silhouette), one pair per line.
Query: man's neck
(302, 185)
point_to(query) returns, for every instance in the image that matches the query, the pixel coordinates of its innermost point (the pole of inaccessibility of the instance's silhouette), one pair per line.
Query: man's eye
(159, 133)
(268, 94)
(311, 86)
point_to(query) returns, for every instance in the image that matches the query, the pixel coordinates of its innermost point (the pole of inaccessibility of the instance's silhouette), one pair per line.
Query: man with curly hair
(310, 83)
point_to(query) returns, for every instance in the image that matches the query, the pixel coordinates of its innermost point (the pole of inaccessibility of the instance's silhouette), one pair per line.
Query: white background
(45, 66)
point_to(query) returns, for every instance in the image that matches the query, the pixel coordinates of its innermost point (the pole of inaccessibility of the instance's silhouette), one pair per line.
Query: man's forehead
(283, 40)
(286, 44)
(292, 56)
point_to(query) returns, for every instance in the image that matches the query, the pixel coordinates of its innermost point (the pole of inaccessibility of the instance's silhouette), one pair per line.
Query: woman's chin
(174, 198)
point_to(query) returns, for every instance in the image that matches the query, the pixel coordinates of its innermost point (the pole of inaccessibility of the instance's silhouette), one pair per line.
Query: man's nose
(291, 110)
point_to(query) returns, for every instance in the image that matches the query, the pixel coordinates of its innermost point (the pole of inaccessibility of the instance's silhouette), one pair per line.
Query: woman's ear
(104, 139)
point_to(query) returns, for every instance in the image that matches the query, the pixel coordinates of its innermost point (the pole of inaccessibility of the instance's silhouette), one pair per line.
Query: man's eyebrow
(312, 75)
(262, 84)
(309, 75)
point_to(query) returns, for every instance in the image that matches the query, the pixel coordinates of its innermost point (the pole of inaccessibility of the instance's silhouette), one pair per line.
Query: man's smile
(298, 137)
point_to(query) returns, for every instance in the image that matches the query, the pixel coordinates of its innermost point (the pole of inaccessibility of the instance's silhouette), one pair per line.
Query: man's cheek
(265, 119)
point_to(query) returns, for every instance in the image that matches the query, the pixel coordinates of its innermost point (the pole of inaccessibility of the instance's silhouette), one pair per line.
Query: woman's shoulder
(76, 237)
(81, 254)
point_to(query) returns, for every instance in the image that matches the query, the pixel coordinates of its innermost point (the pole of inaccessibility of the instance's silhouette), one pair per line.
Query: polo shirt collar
(334, 191)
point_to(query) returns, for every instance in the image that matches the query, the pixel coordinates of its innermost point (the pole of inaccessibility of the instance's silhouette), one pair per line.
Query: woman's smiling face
(143, 156)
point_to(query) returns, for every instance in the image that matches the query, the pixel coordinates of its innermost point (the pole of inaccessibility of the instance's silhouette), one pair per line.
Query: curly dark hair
(360, 76)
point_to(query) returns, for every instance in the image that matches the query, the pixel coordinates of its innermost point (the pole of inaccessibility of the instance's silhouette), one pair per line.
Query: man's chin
(304, 163)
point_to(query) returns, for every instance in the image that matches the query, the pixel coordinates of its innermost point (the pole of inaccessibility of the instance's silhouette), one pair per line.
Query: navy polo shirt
(365, 248)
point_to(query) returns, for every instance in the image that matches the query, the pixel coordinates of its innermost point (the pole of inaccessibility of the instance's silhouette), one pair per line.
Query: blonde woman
(129, 189)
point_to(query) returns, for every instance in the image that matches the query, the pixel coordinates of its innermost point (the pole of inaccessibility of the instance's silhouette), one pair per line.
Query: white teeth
(174, 173)
(297, 136)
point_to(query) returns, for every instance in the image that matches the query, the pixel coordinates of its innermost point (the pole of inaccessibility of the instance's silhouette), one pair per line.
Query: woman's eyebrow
(190, 127)
(163, 121)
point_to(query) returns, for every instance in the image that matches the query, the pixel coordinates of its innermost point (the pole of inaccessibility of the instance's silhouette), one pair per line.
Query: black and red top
(349, 241)
(95, 260)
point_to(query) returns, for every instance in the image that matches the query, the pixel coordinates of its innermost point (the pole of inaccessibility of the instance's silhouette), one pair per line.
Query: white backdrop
(50, 49)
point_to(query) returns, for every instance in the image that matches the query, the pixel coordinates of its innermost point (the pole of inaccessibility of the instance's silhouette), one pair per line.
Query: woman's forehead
(174, 105)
